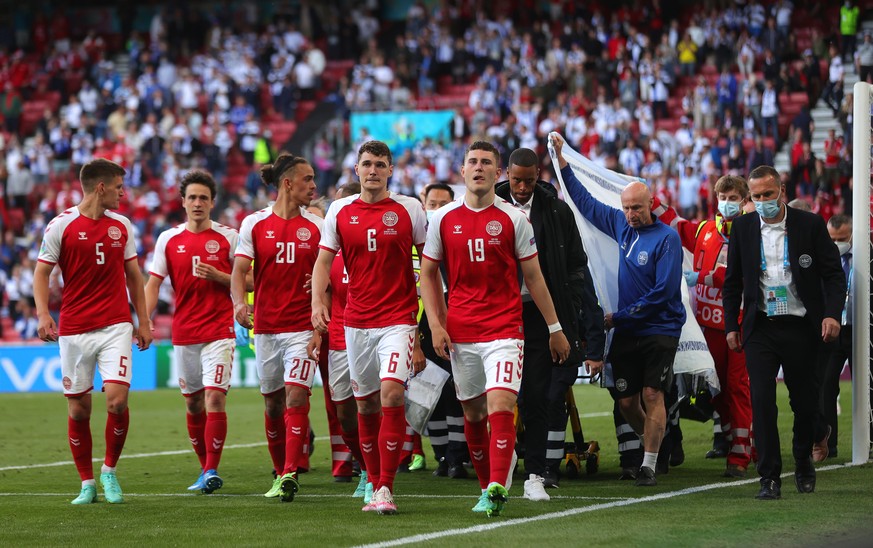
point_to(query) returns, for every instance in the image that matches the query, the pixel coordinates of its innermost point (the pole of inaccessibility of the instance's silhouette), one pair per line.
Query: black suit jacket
(815, 269)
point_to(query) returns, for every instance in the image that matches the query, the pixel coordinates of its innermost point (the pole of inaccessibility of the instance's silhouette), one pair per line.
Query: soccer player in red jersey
(197, 256)
(95, 250)
(282, 240)
(482, 239)
(375, 231)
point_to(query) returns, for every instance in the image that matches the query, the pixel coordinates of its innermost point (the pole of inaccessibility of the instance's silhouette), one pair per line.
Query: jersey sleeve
(233, 239)
(525, 244)
(419, 222)
(433, 245)
(159, 259)
(246, 247)
(329, 237)
(130, 246)
(50, 250)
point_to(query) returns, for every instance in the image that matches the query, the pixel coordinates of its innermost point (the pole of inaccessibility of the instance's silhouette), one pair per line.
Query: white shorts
(339, 381)
(379, 354)
(204, 366)
(282, 360)
(480, 367)
(108, 349)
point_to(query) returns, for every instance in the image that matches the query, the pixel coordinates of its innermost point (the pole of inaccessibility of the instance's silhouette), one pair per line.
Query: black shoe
(770, 490)
(457, 471)
(550, 477)
(342, 479)
(804, 476)
(716, 453)
(677, 456)
(442, 469)
(646, 477)
(662, 465)
(832, 453)
(628, 474)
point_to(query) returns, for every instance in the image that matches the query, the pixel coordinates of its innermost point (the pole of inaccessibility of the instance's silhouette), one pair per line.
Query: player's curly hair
(198, 177)
(376, 148)
(271, 174)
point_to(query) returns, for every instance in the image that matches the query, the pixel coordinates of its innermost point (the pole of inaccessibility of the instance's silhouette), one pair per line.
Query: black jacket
(565, 269)
(815, 269)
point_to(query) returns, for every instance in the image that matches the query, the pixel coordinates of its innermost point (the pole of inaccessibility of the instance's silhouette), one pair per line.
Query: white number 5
(101, 258)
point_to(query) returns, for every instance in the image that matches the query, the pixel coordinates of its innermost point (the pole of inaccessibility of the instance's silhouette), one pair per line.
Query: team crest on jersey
(271, 235)
(114, 232)
(303, 234)
(643, 258)
(212, 246)
(707, 237)
(494, 228)
(389, 218)
(83, 235)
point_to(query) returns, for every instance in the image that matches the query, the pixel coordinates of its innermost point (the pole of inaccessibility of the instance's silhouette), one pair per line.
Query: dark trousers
(788, 342)
(533, 398)
(446, 425)
(833, 358)
(562, 379)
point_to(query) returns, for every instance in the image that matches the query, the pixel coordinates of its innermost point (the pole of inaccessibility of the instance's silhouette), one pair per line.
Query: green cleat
(361, 489)
(418, 463)
(368, 493)
(86, 496)
(498, 496)
(483, 504)
(288, 486)
(111, 489)
(274, 490)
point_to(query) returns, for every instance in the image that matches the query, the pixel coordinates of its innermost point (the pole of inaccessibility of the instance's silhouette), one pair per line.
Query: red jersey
(284, 252)
(481, 250)
(376, 241)
(91, 254)
(339, 289)
(204, 310)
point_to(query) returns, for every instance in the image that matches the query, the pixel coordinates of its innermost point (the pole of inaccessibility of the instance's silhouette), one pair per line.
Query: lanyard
(785, 265)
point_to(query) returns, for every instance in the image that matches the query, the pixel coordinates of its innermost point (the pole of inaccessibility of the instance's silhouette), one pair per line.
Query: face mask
(769, 208)
(728, 210)
(429, 214)
(843, 247)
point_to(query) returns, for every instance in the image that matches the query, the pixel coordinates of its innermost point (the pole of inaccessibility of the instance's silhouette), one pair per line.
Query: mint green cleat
(288, 487)
(274, 490)
(361, 489)
(86, 496)
(418, 463)
(111, 489)
(483, 504)
(497, 495)
(368, 493)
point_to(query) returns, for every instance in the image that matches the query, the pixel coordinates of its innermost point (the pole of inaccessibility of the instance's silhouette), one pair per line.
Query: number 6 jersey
(91, 254)
(481, 249)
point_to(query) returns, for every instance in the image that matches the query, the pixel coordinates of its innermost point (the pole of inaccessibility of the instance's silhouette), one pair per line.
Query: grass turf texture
(158, 509)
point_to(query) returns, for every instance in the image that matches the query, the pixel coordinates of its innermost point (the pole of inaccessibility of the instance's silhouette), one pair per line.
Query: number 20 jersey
(91, 254)
(481, 250)
(284, 252)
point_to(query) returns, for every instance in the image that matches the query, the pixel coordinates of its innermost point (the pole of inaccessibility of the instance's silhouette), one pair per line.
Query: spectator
(848, 28)
(770, 112)
(864, 58)
(833, 91)
(760, 155)
(11, 107)
(687, 53)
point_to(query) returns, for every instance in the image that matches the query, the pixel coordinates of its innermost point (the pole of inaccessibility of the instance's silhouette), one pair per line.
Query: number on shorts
(101, 257)
(219, 374)
(371, 239)
(122, 367)
(477, 250)
(392, 362)
(285, 252)
(300, 369)
(505, 369)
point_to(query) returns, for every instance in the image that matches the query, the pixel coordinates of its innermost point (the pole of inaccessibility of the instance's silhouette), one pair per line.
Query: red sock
(216, 433)
(296, 436)
(116, 433)
(196, 433)
(275, 429)
(368, 430)
(79, 436)
(391, 443)
(477, 441)
(354, 444)
(340, 454)
(502, 445)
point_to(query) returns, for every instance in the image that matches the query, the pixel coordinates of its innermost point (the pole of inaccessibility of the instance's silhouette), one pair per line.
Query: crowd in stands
(676, 96)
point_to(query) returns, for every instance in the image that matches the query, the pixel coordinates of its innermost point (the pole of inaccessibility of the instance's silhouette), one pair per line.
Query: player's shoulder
(254, 218)
(338, 205)
(225, 231)
(509, 210)
(63, 220)
(450, 209)
(313, 219)
(169, 233)
(117, 218)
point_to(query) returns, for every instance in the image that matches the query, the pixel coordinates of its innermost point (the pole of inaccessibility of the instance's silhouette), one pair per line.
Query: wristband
(555, 327)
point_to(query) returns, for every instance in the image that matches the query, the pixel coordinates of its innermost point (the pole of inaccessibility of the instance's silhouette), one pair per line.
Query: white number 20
(285, 253)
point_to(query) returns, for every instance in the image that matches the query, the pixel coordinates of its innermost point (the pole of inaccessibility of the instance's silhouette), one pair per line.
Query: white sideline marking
(309, 496)
(141, 455)
(575, 511)
(598, 414)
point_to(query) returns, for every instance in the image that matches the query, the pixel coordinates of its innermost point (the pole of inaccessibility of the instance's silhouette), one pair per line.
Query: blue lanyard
(785, 266)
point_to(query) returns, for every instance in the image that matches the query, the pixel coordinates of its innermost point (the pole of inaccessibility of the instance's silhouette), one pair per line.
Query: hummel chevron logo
(392, 445)
(217, 443)
(501, 444)
(367, 447)
(75, 441)
(272, 434)
(119, 431)
(296, 430)
(194, 441)
(478, 455)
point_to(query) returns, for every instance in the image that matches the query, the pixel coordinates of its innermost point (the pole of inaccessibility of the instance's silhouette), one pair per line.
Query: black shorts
(639, 362)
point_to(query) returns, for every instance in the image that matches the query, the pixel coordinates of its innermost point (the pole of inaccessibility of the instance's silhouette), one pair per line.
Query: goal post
(861, 320)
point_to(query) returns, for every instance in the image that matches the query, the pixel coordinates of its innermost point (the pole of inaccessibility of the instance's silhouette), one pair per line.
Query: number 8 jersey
(481, 249)
(91, 254)
(284, 252)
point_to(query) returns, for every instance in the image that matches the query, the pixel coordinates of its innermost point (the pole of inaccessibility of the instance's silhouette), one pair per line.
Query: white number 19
(477, 250)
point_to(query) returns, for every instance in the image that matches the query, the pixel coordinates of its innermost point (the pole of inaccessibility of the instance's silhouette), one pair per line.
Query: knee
(116, 406)
(391, 394)
(79, 413)
(296, 397)
(215, 401)
(274, 407)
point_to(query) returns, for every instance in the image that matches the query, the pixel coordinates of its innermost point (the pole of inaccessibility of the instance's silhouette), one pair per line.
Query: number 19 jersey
(284, 252)
(481, 249)
(376, 242)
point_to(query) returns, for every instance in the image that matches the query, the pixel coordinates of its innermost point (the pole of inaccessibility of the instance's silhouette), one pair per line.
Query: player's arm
(209, 272)
(687, 230)
(133, 278)
(238, 288)
(435, 306)
(320, 282)
(419, 361)
(152, 290)
(48, 329)
(536, 284)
